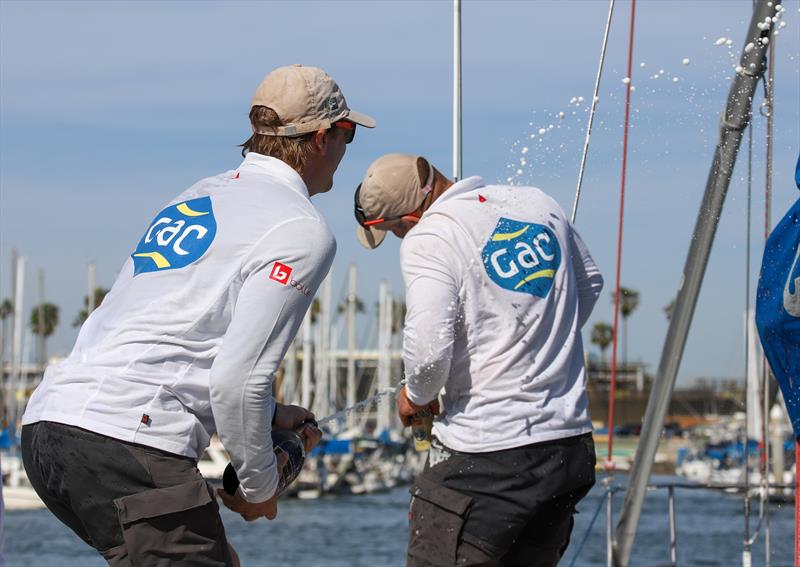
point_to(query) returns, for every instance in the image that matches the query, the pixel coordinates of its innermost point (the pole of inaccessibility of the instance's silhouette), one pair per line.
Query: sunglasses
(361, 216)
(348, 127)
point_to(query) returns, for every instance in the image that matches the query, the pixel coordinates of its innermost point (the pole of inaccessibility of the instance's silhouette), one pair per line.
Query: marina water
(371, 531)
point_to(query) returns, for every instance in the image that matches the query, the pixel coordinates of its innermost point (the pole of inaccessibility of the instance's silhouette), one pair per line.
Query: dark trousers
(505, 508)
(136, 505)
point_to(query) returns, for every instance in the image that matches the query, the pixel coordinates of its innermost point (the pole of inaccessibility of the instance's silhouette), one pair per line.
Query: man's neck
(440, 185)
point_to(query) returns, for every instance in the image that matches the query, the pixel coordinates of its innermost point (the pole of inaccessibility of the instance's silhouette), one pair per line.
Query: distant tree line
(603, 333)
(43, 320)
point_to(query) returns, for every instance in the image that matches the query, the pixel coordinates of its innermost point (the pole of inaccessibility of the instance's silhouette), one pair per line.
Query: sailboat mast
(40, 336)
(384, 417)
(305, 390)
(352, 282)
(457, 90)
(734, 121)
(17, 352)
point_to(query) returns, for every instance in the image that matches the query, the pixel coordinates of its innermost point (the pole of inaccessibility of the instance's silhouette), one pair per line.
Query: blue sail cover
(778, 306)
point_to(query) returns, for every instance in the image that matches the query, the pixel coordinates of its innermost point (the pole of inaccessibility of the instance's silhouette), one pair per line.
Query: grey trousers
(137, 506)
(510, 508)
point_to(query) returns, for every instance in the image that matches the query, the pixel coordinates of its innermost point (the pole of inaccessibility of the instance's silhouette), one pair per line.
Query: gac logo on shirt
(522, 256)
(179, 236)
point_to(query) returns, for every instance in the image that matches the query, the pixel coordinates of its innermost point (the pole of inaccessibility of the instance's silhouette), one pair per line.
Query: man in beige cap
(498, 286)
(188, 340)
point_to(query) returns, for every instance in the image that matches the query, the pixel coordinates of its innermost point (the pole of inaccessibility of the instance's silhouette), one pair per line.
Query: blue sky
(108, 110)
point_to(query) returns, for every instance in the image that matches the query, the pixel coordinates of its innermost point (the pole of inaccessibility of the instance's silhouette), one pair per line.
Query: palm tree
(6, 309)
(628, 302)
(44, 327)
(99, 294)
(602, 335)
(341, 308)
(360, 307)
(669, 309)
(398, 315)
(315, 310)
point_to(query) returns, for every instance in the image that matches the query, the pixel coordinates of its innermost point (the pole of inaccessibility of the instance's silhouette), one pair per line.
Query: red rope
(609, 465)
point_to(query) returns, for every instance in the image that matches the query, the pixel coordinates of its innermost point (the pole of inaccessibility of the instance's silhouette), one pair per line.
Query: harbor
(365, 449)
(371, 531)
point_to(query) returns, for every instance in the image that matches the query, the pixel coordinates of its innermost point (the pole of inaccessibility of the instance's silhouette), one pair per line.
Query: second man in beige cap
(498, 286)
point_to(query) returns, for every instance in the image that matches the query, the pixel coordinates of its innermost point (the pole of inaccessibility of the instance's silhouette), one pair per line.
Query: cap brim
(361, 119)
(370, 237)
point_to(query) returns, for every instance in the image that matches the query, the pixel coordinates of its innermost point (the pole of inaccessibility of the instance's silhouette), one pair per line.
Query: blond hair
(292, 151)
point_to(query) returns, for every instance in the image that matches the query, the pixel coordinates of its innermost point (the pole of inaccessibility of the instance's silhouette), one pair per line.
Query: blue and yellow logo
(179, 235)
(522, 256)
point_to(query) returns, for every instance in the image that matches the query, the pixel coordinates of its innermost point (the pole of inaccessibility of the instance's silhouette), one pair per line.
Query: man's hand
(296, 418)
(407, 409)
(290, 417)
(311, 436)
(251, 511)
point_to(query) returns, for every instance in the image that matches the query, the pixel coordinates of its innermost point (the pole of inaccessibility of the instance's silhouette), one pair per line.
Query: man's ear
(320, 141)
(423, 169)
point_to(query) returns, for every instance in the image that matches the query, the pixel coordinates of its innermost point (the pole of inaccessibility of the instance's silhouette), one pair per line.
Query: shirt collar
(259, 163)
(456, 190)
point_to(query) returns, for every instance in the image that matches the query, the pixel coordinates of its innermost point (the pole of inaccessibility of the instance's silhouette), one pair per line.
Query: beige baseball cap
(306, 98)
(390, 189)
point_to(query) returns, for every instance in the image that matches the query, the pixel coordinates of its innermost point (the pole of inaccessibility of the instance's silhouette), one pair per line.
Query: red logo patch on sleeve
(280, 273)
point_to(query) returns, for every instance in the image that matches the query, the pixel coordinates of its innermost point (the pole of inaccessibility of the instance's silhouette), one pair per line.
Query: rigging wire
(595, 99)
(457, 112)
(766, 110)
(769, 103)
(763, 520)
(609, 492)
(746, 553)
(612, 393)
(746, 556)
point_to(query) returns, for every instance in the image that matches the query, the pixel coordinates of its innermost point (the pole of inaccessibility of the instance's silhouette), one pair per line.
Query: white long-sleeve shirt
(199, 319)
(498, 286)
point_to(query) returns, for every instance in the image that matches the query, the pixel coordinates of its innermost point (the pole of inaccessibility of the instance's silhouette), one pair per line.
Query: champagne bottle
(421, 425)
(289, 442)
